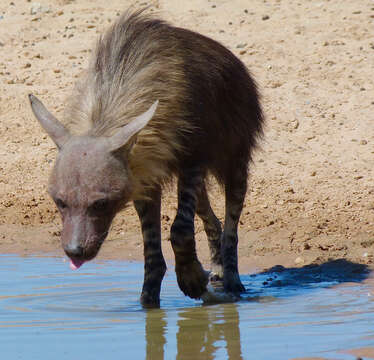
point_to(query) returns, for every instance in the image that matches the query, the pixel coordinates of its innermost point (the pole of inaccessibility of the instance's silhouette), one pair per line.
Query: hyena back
(205, 119)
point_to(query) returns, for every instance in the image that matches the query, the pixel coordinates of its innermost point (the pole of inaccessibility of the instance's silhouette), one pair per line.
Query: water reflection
(200, 333)
(155, 331)
(44, 307)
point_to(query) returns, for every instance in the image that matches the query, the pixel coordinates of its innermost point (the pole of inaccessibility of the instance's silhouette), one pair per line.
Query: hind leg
(191, 277)
(154, 263)
(212, 227)
(235, 190)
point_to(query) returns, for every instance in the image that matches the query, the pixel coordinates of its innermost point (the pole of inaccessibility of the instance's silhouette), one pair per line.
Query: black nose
(74, 251)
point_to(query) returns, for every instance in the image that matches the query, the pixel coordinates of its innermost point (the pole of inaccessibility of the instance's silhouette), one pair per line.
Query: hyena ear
(58, 133)
(126, 134)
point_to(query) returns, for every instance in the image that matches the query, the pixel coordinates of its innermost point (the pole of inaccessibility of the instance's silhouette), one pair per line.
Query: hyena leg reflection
(213, 229)
(192, 279)
(235, 190)
(154, 263)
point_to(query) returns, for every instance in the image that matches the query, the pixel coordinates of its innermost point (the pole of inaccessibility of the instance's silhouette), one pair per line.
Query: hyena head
(90, 181)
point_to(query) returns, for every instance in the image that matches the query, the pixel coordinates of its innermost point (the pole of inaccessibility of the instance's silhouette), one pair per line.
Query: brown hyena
(203, 117)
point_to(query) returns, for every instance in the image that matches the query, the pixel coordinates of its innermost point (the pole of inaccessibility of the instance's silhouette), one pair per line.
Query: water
(49, 312)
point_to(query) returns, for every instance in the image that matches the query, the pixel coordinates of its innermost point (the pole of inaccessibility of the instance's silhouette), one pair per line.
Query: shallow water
(49, 312)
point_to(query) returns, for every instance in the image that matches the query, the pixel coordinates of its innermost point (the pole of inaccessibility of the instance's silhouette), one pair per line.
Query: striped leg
(192, 279)
(235, 190)
(213, 231)
(154, 263)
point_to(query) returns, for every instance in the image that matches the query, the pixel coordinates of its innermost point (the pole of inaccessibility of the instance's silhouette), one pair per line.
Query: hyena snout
(82, 238)
(74, 251)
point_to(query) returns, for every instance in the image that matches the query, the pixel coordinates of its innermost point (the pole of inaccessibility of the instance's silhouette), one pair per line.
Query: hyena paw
(150, 299)
(192, 279)
(232, 283)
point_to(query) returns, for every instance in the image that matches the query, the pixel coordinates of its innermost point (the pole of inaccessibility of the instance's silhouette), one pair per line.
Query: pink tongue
(76, 264)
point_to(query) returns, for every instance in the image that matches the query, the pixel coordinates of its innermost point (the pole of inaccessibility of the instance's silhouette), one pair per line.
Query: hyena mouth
(76, 263)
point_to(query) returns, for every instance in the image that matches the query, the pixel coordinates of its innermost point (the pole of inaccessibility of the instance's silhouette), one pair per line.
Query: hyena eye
(60, 204)
(99, 206)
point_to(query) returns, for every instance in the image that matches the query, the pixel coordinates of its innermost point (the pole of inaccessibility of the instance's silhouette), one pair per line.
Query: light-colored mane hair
(133, 65)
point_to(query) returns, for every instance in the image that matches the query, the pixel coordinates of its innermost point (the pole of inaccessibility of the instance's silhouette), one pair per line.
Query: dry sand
(311, 194)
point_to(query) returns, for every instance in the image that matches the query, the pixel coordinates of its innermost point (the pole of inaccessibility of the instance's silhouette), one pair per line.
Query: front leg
(154, 263)
(191, 277)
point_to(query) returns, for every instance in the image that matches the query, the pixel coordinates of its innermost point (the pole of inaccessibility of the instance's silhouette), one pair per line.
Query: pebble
(314, 173)
(266, 17)
(240, 46)
(38, 8)
(363, 142)
(299, 260)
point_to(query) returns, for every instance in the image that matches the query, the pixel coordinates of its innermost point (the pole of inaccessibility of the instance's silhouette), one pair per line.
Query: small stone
(299, 260)
(39, 8)
(314, 173)
(35, 8)
(358, 177)
(295, 124)
(57, 71)
(240, 46)
(60, 12)
(266, 17)
(363, 142)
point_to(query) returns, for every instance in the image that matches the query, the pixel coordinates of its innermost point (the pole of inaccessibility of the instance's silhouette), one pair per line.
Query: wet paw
(232, 283)
(149, 300)
(192, 279)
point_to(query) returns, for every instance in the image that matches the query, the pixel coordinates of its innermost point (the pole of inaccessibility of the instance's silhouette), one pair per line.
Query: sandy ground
(311, 194)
